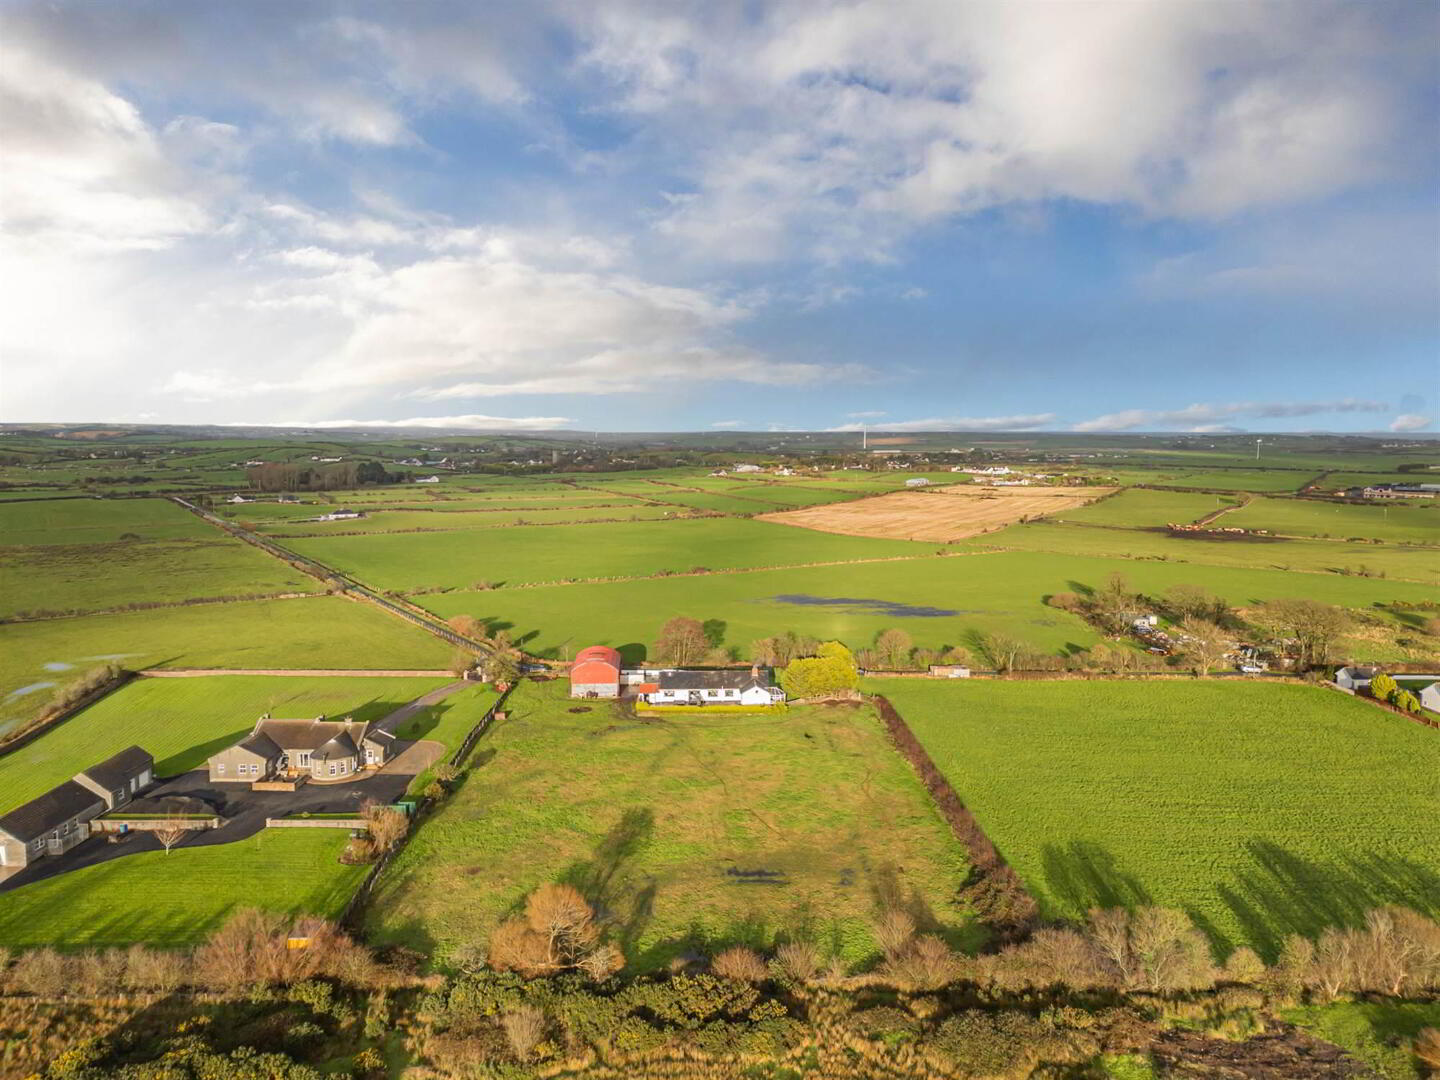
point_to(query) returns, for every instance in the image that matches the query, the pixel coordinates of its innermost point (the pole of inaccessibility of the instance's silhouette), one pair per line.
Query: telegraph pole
(864, 438)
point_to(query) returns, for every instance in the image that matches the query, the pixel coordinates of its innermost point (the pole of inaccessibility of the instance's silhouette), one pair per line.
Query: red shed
(595, 673)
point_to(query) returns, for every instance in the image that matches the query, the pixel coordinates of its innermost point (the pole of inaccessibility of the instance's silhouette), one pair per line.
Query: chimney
(754, 671)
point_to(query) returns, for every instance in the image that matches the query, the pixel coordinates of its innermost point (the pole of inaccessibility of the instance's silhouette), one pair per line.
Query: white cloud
(838, 127)
(83, 171)
(477, 421)
(1411, 422)
(870, 414)
(1208, 414)
(728, 424)
(961, 423)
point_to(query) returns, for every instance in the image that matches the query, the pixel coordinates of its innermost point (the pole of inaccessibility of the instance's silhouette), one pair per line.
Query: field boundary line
(354, 910)
(1012, 909)
(346, 585)
(197, 673)
(157, 605)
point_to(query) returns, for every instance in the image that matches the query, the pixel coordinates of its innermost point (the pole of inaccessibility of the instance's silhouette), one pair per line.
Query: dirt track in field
(940, 515)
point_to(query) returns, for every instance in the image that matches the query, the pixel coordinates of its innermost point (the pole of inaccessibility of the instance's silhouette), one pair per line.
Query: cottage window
(220, 768)
(332, 768)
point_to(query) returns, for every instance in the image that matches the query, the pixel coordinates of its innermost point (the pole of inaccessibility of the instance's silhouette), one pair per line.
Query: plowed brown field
(942, 514)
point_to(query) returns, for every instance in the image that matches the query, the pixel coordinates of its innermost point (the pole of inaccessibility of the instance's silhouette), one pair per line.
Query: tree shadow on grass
(1281, 893)
(599, 877)
(1084, 875)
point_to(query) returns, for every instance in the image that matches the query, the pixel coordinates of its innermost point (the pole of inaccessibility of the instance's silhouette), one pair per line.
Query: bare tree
(557, 932)
(894, 648)
(1205, 643)
(171, 832)
(1315, 628)
(386, 825)
(682, 641)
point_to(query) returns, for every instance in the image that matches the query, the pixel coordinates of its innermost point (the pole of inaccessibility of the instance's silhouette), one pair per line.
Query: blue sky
(1030, 215)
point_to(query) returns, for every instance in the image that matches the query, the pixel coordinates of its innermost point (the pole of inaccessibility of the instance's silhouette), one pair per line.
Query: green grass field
(1214, 479)
(556, 552)
(1308, 517)
(183, 721)
(180, 898)
(693, 833)
(1414, 564)
(1142, 508)
(378, 521)
(315, 632)
(1380, 1034)
(97, 521)
(1002, 591)
(97, 577)
(1261, 810)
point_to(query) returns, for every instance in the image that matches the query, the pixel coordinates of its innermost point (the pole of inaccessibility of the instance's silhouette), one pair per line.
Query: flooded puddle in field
(59, 665)
(861, 605)
(24, 690)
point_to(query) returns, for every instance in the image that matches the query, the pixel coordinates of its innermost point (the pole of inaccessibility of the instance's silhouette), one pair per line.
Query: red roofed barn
(595, 673)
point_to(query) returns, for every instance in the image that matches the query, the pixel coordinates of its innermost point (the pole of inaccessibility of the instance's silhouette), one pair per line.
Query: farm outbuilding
(595, 673)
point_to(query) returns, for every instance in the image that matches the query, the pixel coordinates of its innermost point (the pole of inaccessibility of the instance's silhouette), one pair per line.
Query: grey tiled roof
(49, 811)
(119, 770)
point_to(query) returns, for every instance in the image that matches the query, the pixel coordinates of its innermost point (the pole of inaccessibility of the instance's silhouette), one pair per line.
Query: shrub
(740, 964)
(523, 1029)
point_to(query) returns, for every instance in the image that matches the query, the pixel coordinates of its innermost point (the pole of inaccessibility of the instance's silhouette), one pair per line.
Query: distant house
(317, 749)
(340, 515)
(53, 823)
(239, 499)
(751, 687)
(427, 480)
(917, 481)
(949, 671)
(748, 468)
(1355, 678)
(1430, 697)
(595, 673)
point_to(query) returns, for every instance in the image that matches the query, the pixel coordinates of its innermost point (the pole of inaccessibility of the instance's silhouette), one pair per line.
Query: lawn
(938, 601)
(558, 552)
(180, 898)
(315, 632)
(1262, 810)
(1318, 556)
(1141, 508)
(96, 577)
(184, 721)
(693, 833)
(1309, 517)
(97, 521)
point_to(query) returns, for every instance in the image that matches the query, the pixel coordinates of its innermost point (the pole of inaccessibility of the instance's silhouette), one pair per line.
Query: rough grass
(183, 721)
(1308, 517)
(1286, 479)
(316, 632)
(96, 577)
(557, 552)
(986, 592)
(1139, 507)
(1379, 1034)
(1262, 810)
(690, 834)
(179, 899)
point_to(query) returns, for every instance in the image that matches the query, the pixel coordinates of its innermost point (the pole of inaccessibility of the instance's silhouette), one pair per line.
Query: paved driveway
(244, 811)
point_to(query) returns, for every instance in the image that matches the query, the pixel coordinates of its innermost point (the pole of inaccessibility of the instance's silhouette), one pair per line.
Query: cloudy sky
(912, 214)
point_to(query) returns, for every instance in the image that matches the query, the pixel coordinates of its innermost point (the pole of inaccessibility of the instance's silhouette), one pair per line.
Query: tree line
(278, 476)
